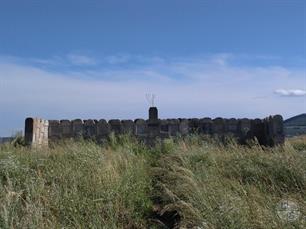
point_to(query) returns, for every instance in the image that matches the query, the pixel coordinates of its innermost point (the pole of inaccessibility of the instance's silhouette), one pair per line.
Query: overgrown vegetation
(186, 183)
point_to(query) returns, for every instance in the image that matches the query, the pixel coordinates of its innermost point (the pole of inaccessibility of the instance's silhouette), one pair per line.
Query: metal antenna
(151, 99)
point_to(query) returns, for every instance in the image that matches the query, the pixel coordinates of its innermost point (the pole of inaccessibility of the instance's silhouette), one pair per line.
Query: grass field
(181, 183)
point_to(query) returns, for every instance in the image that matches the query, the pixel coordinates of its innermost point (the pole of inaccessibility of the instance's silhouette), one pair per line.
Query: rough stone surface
(174, 127)
(194, 125)
(258, 131)
(153, 113)
(218, 126)
(206, 126)
(183, 127)
(128, 127)
(103, 129)
(140, 127)
(244, 127)
(78, 128)
(231, 125)
(36, 132)
(115, 126)
(268, 131)
(66, 128)
(90, 129)
(55, 131)
(274, 130)
(278, 130)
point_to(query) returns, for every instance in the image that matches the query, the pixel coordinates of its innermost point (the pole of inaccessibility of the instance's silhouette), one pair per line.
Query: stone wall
(268, 131)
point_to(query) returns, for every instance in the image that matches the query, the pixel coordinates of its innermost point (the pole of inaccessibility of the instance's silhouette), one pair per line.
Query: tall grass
(73, 185)
(182, 183)
(214, 186)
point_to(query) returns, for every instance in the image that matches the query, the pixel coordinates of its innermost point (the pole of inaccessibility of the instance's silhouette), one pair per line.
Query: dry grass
(299, 142)
(213, 186)
(186, 183)
(74, 185)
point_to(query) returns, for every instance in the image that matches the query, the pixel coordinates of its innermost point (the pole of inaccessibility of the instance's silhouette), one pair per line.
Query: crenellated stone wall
(268, 131)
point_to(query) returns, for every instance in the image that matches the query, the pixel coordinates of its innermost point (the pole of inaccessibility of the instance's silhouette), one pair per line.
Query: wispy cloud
(291, 92)
(77, 59)
(185, 87)
(69, 60)
(118, 59)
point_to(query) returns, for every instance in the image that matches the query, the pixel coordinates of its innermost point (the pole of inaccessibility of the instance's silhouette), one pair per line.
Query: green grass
(74, 185)
(299, 143)
(187, 183)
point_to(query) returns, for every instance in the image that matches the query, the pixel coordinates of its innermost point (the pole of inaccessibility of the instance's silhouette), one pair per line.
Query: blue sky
(98, 59)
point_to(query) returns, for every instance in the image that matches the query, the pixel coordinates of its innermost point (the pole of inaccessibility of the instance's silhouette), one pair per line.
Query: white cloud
(117, 59)
(193, 87)
(291, 92)
(76, 59)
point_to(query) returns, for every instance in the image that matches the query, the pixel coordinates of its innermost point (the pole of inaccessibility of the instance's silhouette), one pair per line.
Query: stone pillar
(153, 113)
(153, 125)
(36, 132)
(28, 131)
(274, 128)
(278, 130)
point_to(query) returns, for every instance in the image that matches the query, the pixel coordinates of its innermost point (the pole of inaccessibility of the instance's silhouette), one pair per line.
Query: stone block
(244, 130)
(115, 126)
(174, 127)
(258, 131)
(36, 132)
(55, 131)
(244, 126)
(164, 129)
(90, 129)
(231, 126)
(184, 127)
(218, 126)
(194, 125)
(153, 114)
(28, 130)
(77, 128)
(164, 126)
(128, 126)
(278, 130)
(206, 126)
(274, 129)
(103, 129)
(140, 127)
(66, 129)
